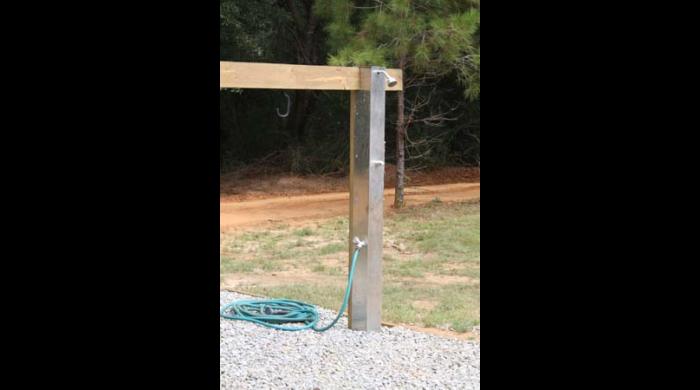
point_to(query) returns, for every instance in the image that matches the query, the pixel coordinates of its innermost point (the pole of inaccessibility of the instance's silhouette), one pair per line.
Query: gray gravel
(254, 357)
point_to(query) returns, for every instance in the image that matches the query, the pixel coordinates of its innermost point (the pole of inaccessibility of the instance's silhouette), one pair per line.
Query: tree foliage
(427, 38)
(249, 30)
(440, 40)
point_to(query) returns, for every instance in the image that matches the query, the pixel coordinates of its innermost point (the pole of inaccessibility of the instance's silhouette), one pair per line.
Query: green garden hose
(272, 313)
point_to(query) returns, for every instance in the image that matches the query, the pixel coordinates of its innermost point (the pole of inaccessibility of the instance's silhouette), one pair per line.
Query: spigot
(389, 80)
(358, 243)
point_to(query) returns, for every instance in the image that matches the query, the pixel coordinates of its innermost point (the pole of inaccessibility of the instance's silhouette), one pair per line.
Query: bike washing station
(367, 87)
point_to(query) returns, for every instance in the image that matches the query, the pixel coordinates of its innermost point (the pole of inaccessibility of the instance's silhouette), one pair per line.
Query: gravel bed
(254, 357)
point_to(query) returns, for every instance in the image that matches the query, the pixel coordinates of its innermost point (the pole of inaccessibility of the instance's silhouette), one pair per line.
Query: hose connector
(358, 243)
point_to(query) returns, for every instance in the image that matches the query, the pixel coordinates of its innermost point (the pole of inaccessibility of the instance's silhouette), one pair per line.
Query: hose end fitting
(358, 243)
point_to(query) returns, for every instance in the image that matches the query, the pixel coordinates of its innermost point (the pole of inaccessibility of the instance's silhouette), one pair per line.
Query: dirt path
(299, 208)
(254, 183)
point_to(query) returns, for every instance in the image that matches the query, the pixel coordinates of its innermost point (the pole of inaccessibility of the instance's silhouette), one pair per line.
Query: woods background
(434, 122)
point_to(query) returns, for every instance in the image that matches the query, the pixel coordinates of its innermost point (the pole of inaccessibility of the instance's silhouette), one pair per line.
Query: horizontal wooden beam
(284, 76)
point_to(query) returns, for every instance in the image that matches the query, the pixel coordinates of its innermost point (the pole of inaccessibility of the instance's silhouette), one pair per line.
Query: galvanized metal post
(367, 197)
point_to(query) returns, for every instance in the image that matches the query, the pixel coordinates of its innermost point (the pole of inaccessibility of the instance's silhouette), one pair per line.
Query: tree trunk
(301, 110)
(400, 153)
(305, 35)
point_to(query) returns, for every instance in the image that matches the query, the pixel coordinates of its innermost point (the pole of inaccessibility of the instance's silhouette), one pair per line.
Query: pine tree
(426, 39)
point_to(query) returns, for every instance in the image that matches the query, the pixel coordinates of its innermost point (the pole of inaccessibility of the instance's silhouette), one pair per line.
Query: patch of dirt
(253, 184)
(234, 188)
(237, 214)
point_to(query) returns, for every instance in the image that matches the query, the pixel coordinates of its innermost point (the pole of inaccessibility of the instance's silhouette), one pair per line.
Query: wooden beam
(284, 76)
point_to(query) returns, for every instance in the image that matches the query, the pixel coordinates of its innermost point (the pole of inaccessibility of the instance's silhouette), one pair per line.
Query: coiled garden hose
(272, 313)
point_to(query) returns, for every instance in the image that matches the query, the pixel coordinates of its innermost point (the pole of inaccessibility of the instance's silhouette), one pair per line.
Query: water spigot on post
(389, 80)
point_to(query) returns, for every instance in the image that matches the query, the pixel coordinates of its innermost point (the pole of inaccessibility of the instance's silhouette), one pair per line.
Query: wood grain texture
(284, 76)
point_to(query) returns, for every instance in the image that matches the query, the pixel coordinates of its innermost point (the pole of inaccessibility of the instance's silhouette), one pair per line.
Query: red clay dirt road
(234, 215)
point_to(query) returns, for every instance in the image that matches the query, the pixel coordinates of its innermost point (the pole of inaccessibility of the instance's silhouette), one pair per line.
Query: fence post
(367, 112)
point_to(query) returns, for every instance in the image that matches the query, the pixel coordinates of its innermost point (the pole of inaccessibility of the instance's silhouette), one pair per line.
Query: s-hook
(289, 107)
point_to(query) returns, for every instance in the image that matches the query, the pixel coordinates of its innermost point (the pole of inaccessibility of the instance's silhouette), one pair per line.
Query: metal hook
(289, 107)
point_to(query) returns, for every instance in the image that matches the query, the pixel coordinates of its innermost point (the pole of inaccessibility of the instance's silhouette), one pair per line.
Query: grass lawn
(431, 264)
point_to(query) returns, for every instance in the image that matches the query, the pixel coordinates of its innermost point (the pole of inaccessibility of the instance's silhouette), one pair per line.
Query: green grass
(305, 232)
(431, 263)
(414, 268)
(230, 265)
(331, 248)
(445, 238)
(457, 306)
